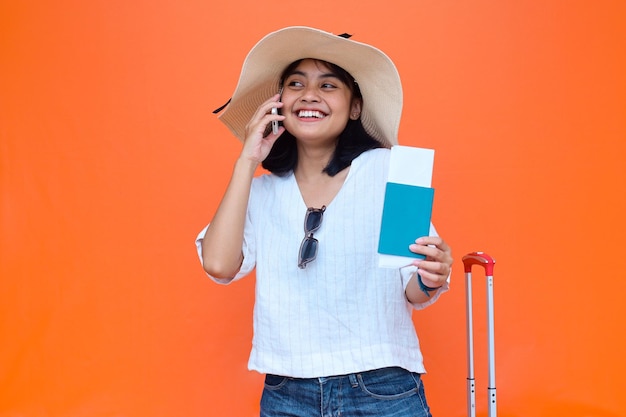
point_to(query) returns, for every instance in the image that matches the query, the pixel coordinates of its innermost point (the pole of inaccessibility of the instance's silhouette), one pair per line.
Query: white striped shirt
(342, 313)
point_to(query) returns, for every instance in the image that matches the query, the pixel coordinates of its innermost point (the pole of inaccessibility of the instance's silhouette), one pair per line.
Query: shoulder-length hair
(352, 142)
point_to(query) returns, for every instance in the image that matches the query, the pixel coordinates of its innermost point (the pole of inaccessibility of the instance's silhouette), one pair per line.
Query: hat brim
(374, 71)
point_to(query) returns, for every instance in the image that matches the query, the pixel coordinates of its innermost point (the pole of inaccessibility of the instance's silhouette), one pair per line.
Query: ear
(355, 109)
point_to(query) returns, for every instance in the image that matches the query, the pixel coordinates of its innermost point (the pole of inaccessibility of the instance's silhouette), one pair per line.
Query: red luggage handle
(487, 262)
(479, 258)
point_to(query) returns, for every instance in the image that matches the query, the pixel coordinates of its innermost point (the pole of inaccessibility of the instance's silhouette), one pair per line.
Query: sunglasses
(308, 247)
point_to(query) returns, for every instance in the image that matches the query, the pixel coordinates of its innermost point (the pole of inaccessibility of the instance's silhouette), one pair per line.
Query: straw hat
(375, 73)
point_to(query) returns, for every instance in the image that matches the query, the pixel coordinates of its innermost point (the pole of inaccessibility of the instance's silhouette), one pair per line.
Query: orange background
(111, 162)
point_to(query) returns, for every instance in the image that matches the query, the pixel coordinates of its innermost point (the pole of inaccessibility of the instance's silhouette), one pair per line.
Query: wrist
(246, 164)
(425, 288)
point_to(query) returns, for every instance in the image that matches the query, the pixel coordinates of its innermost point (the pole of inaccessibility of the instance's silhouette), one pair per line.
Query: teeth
(311, 113)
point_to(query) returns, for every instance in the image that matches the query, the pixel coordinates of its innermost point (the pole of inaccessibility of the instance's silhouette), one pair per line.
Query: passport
(407, 213)
(407, 205)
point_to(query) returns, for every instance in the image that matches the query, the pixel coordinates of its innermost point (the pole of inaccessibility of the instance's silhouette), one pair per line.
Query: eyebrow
(323, 75)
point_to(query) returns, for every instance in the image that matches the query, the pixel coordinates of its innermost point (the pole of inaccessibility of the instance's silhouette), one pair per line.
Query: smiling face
(317, 103)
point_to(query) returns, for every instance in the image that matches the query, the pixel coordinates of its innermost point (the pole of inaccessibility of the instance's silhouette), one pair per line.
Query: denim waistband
(351, 376)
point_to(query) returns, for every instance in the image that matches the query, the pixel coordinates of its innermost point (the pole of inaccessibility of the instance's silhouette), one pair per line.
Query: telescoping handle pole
(487, 262)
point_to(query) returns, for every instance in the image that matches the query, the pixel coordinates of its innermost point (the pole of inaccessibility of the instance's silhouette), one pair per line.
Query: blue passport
(407, 213)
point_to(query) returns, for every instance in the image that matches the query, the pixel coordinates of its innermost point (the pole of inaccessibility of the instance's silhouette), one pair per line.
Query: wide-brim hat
(374, 72)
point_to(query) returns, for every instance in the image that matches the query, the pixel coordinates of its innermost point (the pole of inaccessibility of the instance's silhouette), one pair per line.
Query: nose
(310, 94)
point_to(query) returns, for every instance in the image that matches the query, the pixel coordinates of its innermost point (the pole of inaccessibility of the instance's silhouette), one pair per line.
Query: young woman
(333, 332)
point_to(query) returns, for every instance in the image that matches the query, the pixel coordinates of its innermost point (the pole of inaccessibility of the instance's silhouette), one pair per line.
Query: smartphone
(275, 111)
(274, 122)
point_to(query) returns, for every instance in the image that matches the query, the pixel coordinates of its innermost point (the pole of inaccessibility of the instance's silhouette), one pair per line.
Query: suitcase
(487, 262)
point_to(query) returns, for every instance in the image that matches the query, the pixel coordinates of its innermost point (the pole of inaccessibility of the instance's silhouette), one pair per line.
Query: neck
(311, 163)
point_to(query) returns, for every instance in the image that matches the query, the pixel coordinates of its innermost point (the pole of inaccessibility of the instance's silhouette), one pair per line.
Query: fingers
(434, 274)
(260, 121)
(433, 247)
(435, 268)
(259, 135)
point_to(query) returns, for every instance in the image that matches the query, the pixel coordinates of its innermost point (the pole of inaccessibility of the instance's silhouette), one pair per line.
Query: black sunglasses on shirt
(308, 247)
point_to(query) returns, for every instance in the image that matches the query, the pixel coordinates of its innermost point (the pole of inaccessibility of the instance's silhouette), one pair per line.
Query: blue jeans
(387, 392)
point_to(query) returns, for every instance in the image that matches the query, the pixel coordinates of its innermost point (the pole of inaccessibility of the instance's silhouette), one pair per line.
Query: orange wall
(110, 163)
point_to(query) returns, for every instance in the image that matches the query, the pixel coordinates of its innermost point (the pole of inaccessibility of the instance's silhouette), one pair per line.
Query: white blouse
(342, 313)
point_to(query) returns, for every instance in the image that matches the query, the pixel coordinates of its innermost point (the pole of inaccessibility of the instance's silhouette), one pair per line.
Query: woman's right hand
(256, 147)
(221, 247)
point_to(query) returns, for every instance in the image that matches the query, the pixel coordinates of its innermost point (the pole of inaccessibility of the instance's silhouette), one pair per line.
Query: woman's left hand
(435, 269)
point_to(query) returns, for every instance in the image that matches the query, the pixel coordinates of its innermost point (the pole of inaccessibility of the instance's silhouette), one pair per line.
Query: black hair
(352, 142)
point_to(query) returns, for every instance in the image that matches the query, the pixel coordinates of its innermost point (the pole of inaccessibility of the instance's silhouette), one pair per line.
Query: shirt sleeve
(249, 258)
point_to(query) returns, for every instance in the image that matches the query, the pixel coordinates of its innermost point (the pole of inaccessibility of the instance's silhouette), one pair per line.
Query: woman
(333, 331)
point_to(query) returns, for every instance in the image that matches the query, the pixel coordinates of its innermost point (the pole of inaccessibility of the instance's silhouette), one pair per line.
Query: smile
(315, 114)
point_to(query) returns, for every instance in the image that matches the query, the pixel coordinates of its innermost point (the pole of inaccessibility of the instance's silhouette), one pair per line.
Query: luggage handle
(487, 262)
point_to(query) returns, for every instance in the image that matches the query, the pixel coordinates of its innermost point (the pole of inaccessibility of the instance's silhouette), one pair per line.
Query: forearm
(222, 244)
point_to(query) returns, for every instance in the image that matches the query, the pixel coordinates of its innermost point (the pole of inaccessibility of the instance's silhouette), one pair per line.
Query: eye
(328, 86)
(294, 84)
